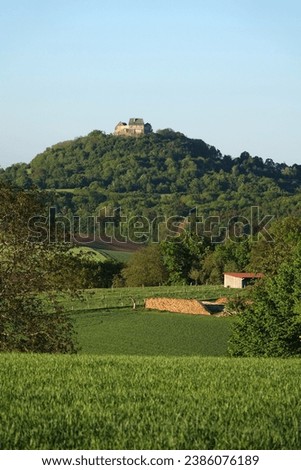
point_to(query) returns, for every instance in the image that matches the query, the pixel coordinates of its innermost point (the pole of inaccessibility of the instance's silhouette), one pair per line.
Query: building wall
(121, 129)
(136, 129)
(231, 281)
(129, 130)
(132, 129)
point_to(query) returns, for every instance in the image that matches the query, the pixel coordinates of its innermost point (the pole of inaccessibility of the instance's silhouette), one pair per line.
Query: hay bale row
(192, 306)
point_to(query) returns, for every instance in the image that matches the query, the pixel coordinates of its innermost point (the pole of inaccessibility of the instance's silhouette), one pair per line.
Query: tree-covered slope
(164, 172)
(152, 163)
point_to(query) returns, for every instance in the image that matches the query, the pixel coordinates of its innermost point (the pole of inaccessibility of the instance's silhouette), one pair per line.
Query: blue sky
(225, 71)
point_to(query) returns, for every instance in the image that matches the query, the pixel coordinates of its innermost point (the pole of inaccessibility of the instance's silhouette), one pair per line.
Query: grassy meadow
(122, 296)
(132, 402)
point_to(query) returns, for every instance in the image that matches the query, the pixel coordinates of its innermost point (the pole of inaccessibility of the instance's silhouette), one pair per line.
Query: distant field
(122, 297)
(108, 251)
(107, 324)
(122, 256)
(92, 402)
(89, 253)
(149, 333)
(102, 254)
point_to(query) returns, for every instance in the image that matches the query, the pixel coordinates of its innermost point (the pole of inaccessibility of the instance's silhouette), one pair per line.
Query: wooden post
(134, 303)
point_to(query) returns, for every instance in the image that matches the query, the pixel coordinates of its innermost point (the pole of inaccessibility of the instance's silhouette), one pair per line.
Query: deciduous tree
(31, 274)
(146, 268)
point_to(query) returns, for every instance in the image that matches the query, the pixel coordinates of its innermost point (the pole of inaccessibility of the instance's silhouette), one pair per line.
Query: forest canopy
(160, 173)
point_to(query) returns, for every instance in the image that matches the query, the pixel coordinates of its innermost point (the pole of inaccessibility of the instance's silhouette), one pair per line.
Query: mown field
(93, 402)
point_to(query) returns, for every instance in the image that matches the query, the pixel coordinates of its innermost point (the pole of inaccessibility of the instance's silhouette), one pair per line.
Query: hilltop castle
(135, 127)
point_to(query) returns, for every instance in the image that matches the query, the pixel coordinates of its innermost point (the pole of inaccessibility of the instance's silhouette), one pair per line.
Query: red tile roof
(246, 275)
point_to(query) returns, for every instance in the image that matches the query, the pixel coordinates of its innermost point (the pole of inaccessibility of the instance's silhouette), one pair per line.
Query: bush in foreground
(271, 325)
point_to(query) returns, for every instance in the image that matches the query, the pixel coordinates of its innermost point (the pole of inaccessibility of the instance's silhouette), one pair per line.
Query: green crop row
(92, 402)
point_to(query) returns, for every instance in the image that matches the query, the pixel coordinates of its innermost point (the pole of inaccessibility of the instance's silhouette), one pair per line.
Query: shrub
(271, 325)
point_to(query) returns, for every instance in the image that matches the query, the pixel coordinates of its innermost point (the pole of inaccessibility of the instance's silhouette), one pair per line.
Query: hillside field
(128, 402)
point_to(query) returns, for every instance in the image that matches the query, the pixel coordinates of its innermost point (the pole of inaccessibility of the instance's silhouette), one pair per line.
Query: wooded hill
(160, 173)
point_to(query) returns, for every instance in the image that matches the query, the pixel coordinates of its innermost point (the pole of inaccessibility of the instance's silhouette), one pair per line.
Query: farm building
(240, 280)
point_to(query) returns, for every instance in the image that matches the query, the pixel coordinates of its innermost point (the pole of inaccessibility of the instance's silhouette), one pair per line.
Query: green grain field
(125, 331)
(131, 402)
